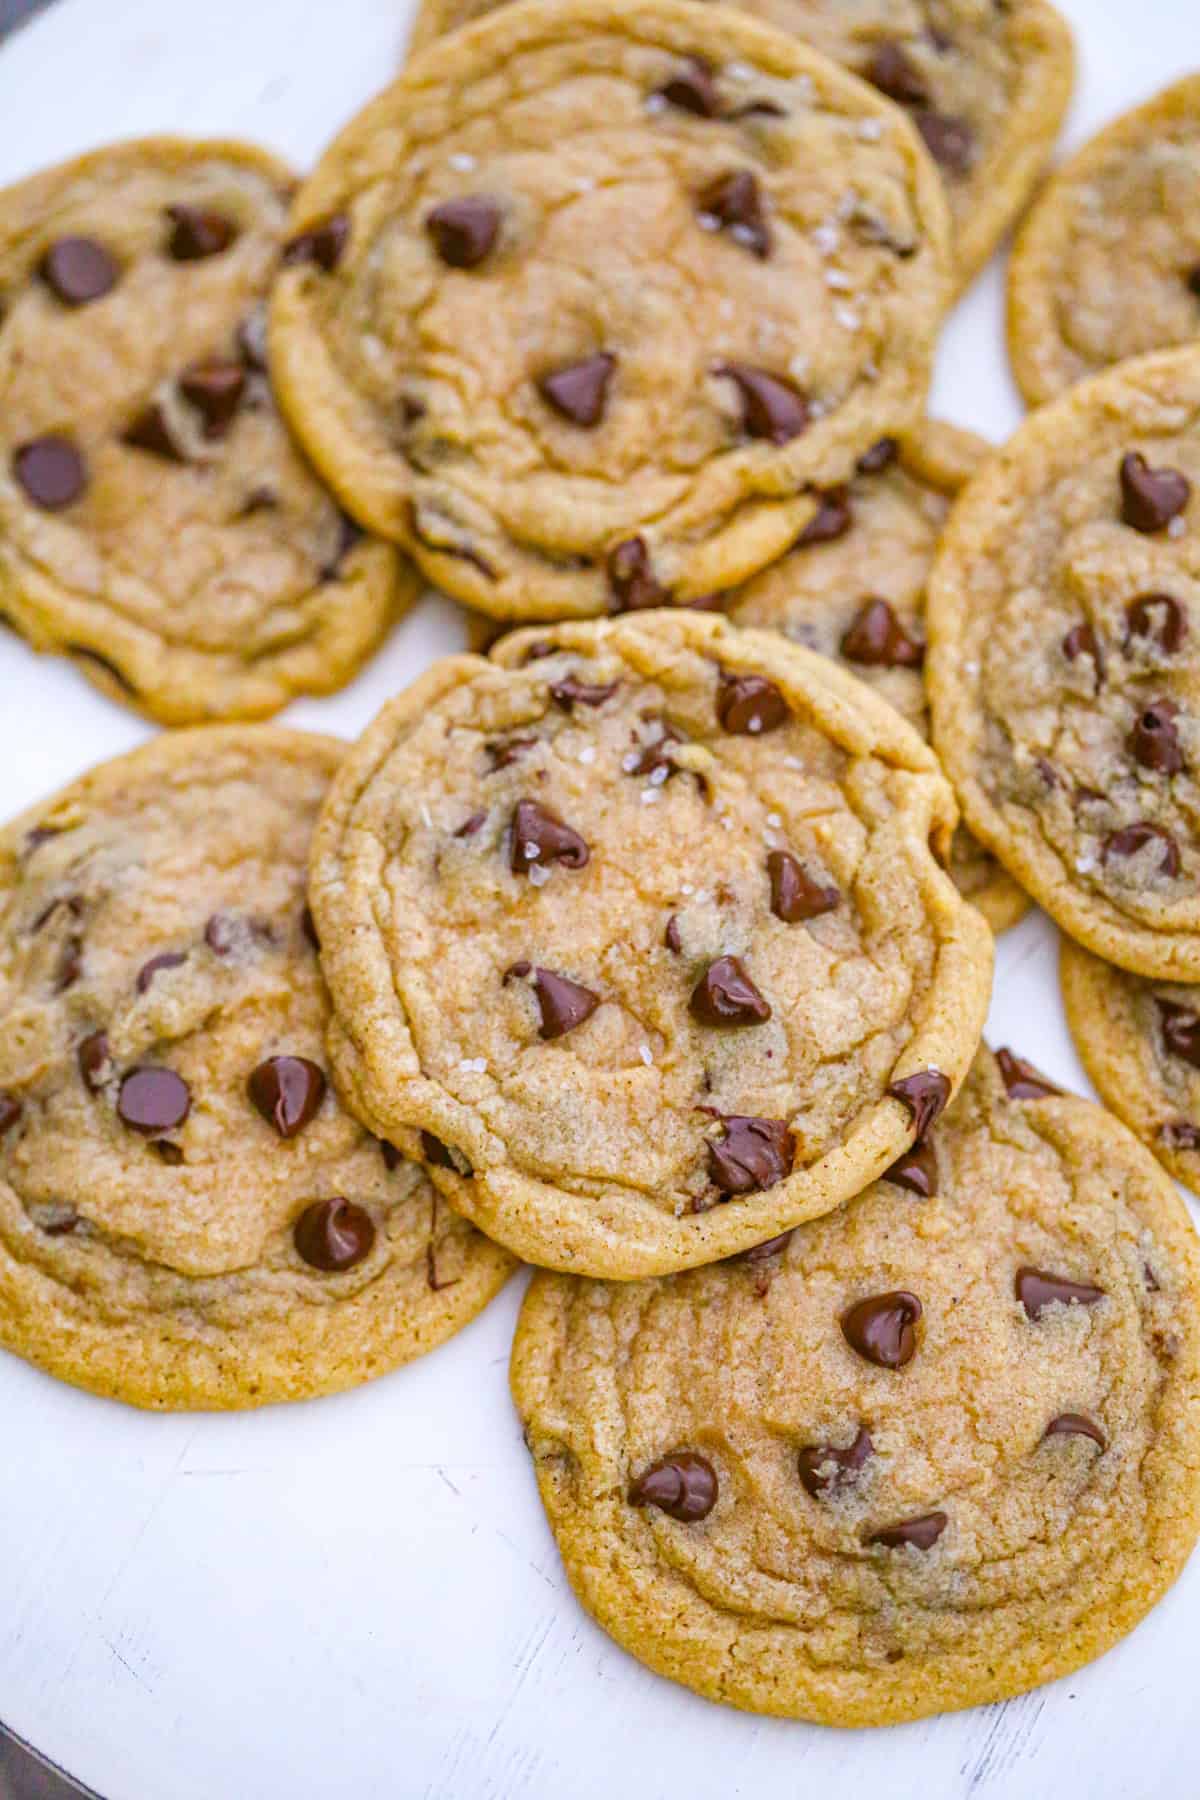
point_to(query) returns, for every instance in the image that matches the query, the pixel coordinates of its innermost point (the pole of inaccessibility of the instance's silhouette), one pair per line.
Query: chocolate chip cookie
(188, 1216)
(636, 933)
(607, 293)
(922, 1454)
(1108, 264)
(986, 85)
(853, 587)
(1064, 661)
(157, 523)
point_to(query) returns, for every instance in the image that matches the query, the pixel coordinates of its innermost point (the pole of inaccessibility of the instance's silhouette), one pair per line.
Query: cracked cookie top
(921, 1454)
(612, 289)
(637, 934)
(157, 523)
(188, 1216)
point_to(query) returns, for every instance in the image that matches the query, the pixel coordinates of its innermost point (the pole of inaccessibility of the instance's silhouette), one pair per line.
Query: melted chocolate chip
(463, 231)
(1159, 618)
(323, 244)
(1036, 1291)
(882, 1329)
(10, 1111)
(1154, 740)
(1081, 640)
(332, 1235)
(1021, 1080)
(794, 894)
(921, 1533)
(1180, 1030)
(1072, 1424)
(683, 1485)
(470, 825)
(877, 639)
(503, 752)
(733, 203)
(916, 1170)
(949, 140)
(832, 519)
(692, 89)
(215, 390)
(563, 1003)
(539, 837)
(151, 431)
(772, 407)
(760, 1253)
(726, 996)
(748, 705)
(671, 937)
(170, 959)
(392, 1157)
(1151, 498)
(50, 471)
(287, 1090)
(754, 1154)
(78, 270)
(894, 73)
(824, 1468)
(879, 457)
(570, 692)
(443, 1156)
(196, 233)
(632, 579)
(95, 1061)
(656, 755)
(1130, 839)
(579, 391)
(925, 1095)
(70, 964)
(153, 1099)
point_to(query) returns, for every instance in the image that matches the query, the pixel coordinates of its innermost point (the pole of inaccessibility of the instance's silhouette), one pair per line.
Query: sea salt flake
(538, 876)
(644, 1053)
(588, 753)
(473, 1065)
(463, 161)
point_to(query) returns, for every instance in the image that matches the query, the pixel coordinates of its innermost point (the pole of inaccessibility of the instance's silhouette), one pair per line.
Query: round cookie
(1140, 1044)
(853, 587)
(157, 523)
(986, 85)
(635, 932)
(1064, 661)
(922, 1454)
(615, 287)
(1107, 266)
(188, 1217)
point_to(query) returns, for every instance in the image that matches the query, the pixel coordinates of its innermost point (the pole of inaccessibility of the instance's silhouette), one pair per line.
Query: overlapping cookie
(188, 1217)
(637, 934)
(607, 291)
(1064, 661)
(922, 1454)
(157, 523)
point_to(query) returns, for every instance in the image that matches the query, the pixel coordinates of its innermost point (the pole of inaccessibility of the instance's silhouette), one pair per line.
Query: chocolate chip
(1180, 1030)
(470, 825)
(95, 1061)
(632, 579)
(748, 705)
(733, 203)
(683, 1485)
(251, 339)
(832, 519)
(1154, 740)
(882, 1328)
(70, 963)
(287, 1090)
(916, 1170)
(220, 934)
(1179, 1134)
(170, 959)
(78, 270)
(1151, 498)
(197, 233)
(51, 471)
(1159, 618)
(579, 390)
(1021, 1080)
(671, 937)
(794, 894)
(880, 456)
(824, 1468)
(693, 89)
(759, 1253)
(153, 1099)
(215, 389)
(444, 1156)
(925, 1095)
(170, 1153)
(392, 1157)
(1132, 838)
(40, 834)
(726, 996)
(894, 73)
(656, 755)
(10, 1111)
(332, 1235)
(56, 1220)
(1036, 1291)
(563, 1003)
(772, 407)
(754, 1154)
(877, 639)
(504, 751)
(1072, 1424)
(309, 927)
(539, 837)
(921, 1533)
(151, 431)
(323, 244)
(463, 231)
(949, 140)
(570, 691)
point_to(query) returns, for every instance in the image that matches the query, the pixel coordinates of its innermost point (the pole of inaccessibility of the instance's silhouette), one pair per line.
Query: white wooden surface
(359, 1596)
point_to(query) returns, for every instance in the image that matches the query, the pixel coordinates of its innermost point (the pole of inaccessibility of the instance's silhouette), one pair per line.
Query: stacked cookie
(861, 1370)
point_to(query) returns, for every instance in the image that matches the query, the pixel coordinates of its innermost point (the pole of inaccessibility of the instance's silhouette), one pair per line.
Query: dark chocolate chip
(1072, 1424)
(251, 339)
(332, 1235)
(309, 927)
(832, 519)
(748, 705)
(579, 391)
(70, 963)
(1180, 1030)
(442, 1155)
(772, 407)
(882, 1329)
(824, 1467)
(794, 893)
(760, 1253)
(1036, 1291)
(1179, 1134)
(170, 959)
(168, 1152)
(693, 89)
(463, 231)
(916, 1170)
(949, 140)
(151, 431)
(894, 73)
(921, 1533)
(392, 1157)
(570, 691)
(1151, 498)
(1081, 640)
(656, 755)
(754, 1154)
(10, 1111)
(41, 834)
(563, 1003)
(71, 902)
(1158, 617)
(671, 937)
(78, 270)
(504, 751)
(196, 233)
(1154, 740)
(726, 996)
(539, 837)
(1132, 838)
(287, 1090)
(877, 639)
(733, 203)
(632, 579)
(323, 244)
(470, 825)
(1021, 1080)
(51, 472)
(215, 389)
(683, 1485)
(153, 1099)
(95, 1061)
(880, 456)
(925, 1095)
